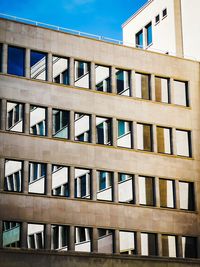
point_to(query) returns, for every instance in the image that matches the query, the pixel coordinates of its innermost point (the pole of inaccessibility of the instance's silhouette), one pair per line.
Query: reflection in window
(181, 93)
(127, 244)
(16, 61)
(164, 140)
(103, 127)
(13, 176)
(146, 191)
(82, 127)
(35, 236)
(11, 234)
(82, 74)
(123, 82)
(105, 241)
(60, 123)
(148, 244)
(142, 85)
(82, 183)
(162, 89)
(124, 134)
(37, 178)
(169, 246)
(38, 65)
(125, 188)
(149, 34)
(60, 70)
(37, 120)
(186, 191)
(83, 239)
(15, 117)
(103, 78)
(59, 237)
(144, 137)
(104, 185)
(183, 145)
(139, 39)
(189, 247)
(60, 181)
(167, 193)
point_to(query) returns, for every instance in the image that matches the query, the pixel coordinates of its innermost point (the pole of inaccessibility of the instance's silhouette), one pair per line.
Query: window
(124, 134)
(38, 65)
(16, 61)
(59, 237)
(60, 70)
(103, 78)
(83, 239)
(146, 191)
(162, 89)
(144, 137)
(105, 241)
(82, 127)
(126, 188)
(104, 185)
(183, 143)
(189, 247)
(164, 140)
(60, 181)
(181, 93)
(1, 57)
(127, 243)
(37, 178)
(104, 131)
(123, 82)
(167, 193)
(11, 234)
(148, 244)
(82, 74)
(15, 117)
(13, 176)
(37, 120)
(164, 13)
(82, 183)
(169, 245)
(35, 236)
(60, 123)
(157, 19)
(148, 34)
(186, 191)
(139, 39)
(142, 86)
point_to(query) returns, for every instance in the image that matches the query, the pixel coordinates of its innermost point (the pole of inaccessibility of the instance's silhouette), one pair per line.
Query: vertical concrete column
(116, 242)
(179, 247)
(47, 236)
(134, 134)
(157, 192)
(132, 84)
(152, 88)
(2, 173)
(3, 114)
(159, 240)
(113, 80)
(49, 67)
(174, 148)
(115, 187)
(138, 243)
(71, 125)
(94, 240)
(71, 71)
(71, 181)
(171, 90)
(72, 238)
(178, 28)
(25, 176)
(27, 118)
(28, 63)
(154, 135)
(114, 131)
(93, 129)
(49, 122)
(92, 76)
(5, 58)
(136, 189)
(94, 185)
(24, 234)
(48, 179)
(177, 195)
(1, 234)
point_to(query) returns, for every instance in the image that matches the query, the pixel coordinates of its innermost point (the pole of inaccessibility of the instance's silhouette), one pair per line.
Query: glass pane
(162, 89)
(60, 70)
(142, 85)
(15, 117)
(103, 128)
(13, 176)
(35, 236)
(124, 134)
(167, 197)
(123, 82)
(60, 181)
(105, 241)
(189, 247)
(169, 246)
(60, 123)
(82, 127)
(180, 93)
(164, 140)
(144, 137)
(82, 74)
(148, 244)
(146, 191)
(59, 237)
(103, 77)
(149, 34)
(37, 120)
(82, 183)
(186, 191)
(11, 234)
(83, 239)
(183, 143)
(37, 178)
(125, 188)
(127, 242)
(104, 185)
(38, 65)
(139, 39)
(16, 61)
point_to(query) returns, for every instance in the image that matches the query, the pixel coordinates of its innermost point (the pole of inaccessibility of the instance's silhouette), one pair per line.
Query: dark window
(164, 12)
(189, 246)
(16, 61)
(38, 65)
(157, 19)
(148, 244)
(149, 34)
(139, 39)
(104, 131)
(1, 57)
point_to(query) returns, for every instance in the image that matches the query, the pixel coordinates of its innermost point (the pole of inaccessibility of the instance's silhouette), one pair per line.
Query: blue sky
(101, 17)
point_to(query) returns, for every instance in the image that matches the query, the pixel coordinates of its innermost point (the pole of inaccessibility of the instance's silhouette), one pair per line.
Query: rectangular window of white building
(181, 93)
(183, 143)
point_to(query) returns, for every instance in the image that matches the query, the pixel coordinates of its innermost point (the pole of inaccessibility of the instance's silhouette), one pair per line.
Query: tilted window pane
(11, 234)
(162, 89)
(142, 84)
(37, 120)
(144, 137)
(83, 239)
(35, 236)
(164, 140)
(16, 61)
(123, 82)
(82, 183)
(103, 77)
(60, 123)
(104, 131)
(38, 65)
(167, 193)
(15, 117)
(149, 34)
(139, 39)
(124, 134)
(169, 246)
(59, 237)
(105, 241)
(13, 176)
(189, 247)
(183, 143)
(60, 181)
(146, 191)
(82, 74)
(125, 188)
(104, 185)
(186, 191)
(181, 93)
(148, 244)
(60, 70)
(127, 243)
(37, 178)
(82, 127)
